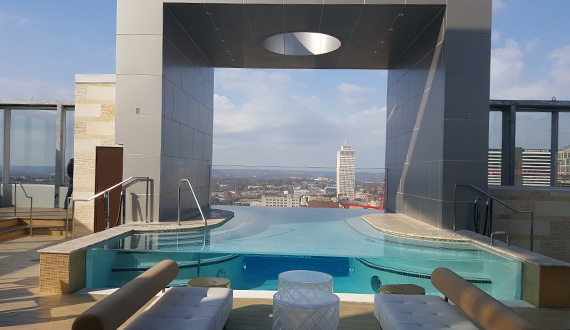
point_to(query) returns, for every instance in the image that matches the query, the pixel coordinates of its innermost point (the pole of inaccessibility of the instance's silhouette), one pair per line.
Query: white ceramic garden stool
(305, 279)
(305, 309)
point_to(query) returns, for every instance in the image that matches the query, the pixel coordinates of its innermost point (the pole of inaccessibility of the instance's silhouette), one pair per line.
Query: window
(532, 149)
(563, 159)
(32, 146)
(495, 147)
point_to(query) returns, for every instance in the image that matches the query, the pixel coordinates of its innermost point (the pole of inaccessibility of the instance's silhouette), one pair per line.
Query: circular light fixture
(301, 43)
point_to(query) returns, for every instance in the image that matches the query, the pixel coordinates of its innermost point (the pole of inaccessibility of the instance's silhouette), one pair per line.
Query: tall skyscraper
(345, 173)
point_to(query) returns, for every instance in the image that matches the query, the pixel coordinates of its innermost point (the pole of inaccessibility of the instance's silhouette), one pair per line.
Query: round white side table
(305, 279)
(305, 309)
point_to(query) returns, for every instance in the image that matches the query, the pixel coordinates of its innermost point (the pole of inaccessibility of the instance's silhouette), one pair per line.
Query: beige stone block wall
(62, 272)
(551, 219)
(94, 126)
(546, 286)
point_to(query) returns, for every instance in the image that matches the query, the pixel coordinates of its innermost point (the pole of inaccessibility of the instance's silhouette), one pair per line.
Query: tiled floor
(23, 307)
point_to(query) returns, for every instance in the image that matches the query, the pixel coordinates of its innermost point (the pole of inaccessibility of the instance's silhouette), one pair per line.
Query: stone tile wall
(62, 272)
(94, 126)
(551, 219)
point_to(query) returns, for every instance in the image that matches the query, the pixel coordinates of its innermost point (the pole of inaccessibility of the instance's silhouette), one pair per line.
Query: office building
(345, 173)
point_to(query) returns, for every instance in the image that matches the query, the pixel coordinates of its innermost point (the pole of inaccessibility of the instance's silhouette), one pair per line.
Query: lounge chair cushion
(404, 312)
(187, 308)
(490, 313)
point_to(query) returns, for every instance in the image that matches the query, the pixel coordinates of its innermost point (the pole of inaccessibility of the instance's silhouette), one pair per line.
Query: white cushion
(187, 308)
(402, 312)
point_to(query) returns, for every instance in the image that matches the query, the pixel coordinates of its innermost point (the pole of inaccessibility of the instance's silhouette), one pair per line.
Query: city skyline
(280, 117)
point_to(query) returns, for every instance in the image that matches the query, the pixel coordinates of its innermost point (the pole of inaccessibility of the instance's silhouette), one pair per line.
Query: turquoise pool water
(257, 244)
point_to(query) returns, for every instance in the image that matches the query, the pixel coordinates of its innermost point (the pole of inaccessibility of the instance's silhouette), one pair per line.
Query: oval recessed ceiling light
(301, 43)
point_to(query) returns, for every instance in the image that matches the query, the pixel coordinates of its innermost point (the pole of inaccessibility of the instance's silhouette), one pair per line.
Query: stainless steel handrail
(106, 194)
(16, 202)
(69, 199)
(498, 201)
(499, 233)
(201, 213)
(195, 198)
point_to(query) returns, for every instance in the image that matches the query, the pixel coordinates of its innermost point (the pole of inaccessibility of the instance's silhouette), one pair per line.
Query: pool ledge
(546, 281)
(62, 266)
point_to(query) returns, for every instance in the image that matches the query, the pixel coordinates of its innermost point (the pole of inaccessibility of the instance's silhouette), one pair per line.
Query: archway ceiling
(373, 36)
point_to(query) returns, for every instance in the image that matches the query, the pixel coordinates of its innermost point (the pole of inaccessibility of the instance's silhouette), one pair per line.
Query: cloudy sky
(281, 117)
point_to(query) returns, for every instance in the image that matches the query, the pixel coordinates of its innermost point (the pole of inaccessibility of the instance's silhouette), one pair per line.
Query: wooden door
(108, 172)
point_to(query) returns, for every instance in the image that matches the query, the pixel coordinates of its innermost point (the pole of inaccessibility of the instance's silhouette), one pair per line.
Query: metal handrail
(499, 233)
(201, 213)
(498, 201)
(195, 198)
(16, 202)
(105, 192)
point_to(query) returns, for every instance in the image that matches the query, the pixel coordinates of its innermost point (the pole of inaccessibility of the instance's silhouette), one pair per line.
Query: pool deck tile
(402, 225)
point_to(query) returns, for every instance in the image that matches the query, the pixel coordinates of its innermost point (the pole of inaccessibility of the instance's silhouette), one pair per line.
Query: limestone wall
(551, 208)
(94, 126)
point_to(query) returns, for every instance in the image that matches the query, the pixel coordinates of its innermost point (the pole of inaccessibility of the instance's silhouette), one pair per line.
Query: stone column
(94, 126)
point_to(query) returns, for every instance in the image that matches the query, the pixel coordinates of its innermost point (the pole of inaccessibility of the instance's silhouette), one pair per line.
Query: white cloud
(531, 45)
(13, 89)
(12, 20)
(495, 36)
(499, 5)
(506, 65)
(540, 90)
(252, 82)
(507, 71)
(261, 118)
(353, 95)
(561, 70)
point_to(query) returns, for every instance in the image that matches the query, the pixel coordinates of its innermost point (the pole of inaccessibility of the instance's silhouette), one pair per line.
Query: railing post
(124, 205)
(72, 219)
(531, 231)
(67, 217)
(454, 206)
(146, 214)
(15, 198)
(106, 206)
(31, 203)
(179, 186)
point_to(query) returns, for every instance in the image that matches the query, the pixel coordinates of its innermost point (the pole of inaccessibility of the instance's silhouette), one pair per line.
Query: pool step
(204, 261)
(119, 275)
(272, 266)
(425, 266)
(165, 241)
(16, 227)
(7, 233)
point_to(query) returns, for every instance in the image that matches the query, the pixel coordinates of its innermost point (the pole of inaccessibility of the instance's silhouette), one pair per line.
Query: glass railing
(279, 186)
(267, 186)
(44, 195)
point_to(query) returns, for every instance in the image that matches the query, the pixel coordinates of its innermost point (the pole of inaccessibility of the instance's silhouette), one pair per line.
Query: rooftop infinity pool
(258, 243)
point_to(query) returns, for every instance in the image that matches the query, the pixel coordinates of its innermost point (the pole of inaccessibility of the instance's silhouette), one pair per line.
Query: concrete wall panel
(130, 97)
(139, 54)
(441, 88)
(133, 18)
(188, 121)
